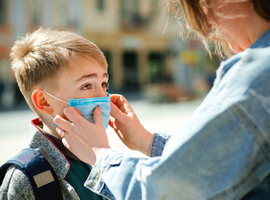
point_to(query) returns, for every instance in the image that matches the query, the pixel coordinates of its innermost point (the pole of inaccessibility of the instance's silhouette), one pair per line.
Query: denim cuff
(158, 142)
(94, 182)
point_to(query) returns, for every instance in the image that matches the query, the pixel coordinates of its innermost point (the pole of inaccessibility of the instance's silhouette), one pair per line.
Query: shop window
(3, 13)
(156, 68)
(36, 13)
(131, 75)
(101, 5)
(108, 57)
(63, 13)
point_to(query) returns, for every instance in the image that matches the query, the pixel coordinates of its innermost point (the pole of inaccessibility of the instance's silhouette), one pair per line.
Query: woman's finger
(60, 131)
(74, 115)
(77, 111)
(63, 116)
(121, 102)
(97, 117)
(118, 114)
(63, 124)
(66, 144)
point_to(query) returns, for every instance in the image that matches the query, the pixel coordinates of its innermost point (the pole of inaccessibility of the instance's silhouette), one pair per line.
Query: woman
(222, 152)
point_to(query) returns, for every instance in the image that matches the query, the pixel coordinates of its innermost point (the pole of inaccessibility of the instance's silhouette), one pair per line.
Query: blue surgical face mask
(87, 106)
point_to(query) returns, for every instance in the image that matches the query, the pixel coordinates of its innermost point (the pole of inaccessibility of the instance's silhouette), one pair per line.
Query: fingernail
(111, 105)
(99, 108)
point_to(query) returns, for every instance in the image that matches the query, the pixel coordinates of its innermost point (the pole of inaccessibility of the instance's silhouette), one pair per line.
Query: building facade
(131, 34)
(135, 35)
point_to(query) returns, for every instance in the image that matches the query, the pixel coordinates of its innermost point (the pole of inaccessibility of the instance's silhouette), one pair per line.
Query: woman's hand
(128, 127)
(87, 141)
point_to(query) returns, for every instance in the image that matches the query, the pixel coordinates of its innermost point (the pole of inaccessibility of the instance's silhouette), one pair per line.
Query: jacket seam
(239, 113)
(239, 184)
(252, 127)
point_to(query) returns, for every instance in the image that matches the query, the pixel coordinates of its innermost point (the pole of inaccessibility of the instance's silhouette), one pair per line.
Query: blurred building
(18, 17)
(129, 32)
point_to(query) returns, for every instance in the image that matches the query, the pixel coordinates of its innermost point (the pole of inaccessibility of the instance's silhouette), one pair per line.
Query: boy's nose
(100, 92)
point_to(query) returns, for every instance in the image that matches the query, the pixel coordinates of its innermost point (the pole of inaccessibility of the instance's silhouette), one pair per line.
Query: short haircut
(38, 58)
(195, 21)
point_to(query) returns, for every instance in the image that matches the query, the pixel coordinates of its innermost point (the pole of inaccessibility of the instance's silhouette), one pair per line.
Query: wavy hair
(193, 20)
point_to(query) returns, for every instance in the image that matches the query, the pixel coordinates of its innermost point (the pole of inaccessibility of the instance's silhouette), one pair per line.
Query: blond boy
(49, 64)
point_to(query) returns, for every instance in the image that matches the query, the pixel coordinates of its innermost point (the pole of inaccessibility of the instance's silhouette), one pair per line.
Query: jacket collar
(262, 42)
(41, 142)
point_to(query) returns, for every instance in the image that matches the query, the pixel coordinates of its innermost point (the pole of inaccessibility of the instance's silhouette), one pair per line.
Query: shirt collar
(262, 42)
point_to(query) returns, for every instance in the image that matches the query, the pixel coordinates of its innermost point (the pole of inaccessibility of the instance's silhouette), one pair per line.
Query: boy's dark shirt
(78, 172)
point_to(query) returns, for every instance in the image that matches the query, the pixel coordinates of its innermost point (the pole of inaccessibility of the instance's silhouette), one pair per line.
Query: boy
(52, 67)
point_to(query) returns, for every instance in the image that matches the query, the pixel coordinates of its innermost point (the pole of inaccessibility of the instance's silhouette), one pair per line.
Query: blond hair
(38, 58)
(193, 20)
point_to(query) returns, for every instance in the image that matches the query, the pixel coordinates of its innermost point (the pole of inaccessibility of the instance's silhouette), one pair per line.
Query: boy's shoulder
(33, 165)
(16, 185)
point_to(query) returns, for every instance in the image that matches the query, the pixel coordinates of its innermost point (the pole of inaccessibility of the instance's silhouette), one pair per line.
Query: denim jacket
(221, 152)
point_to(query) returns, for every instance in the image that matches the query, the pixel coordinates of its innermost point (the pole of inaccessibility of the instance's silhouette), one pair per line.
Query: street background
(163, 76)
(140, 40)
(155, 117)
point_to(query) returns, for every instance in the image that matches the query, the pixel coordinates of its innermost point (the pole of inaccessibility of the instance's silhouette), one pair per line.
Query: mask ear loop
(55, 97)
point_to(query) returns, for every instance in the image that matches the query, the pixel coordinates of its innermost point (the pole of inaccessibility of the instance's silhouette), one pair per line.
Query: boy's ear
(40, 101)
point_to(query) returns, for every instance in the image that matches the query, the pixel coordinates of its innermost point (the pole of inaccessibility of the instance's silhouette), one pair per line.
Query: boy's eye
(105, 85)
(87, 87)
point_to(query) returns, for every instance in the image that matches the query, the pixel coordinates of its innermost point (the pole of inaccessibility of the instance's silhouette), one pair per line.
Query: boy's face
(84, 79)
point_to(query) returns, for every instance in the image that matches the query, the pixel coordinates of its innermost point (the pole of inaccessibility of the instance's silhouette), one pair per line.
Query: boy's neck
(48, 127)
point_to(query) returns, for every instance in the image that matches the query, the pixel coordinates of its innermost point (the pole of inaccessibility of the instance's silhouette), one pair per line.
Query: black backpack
(38, 171)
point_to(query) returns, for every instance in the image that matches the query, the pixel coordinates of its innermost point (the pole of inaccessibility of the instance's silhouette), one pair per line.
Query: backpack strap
(38, 171)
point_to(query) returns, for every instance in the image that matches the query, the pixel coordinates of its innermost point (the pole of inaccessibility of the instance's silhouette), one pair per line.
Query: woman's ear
(41, 102)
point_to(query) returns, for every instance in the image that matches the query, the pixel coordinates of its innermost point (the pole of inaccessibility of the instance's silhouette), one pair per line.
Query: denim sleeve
(222, 157)
(221, 153)
(158, 143)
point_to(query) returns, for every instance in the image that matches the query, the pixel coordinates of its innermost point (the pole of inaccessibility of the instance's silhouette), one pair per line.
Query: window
(108, 56)
(156, 68)
(3, 11)
(129, 7)
(35, 13)
(101, 5)
(63, 13)
(131, 71)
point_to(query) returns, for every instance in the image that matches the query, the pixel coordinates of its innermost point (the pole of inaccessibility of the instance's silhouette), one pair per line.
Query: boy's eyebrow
(91, 76)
